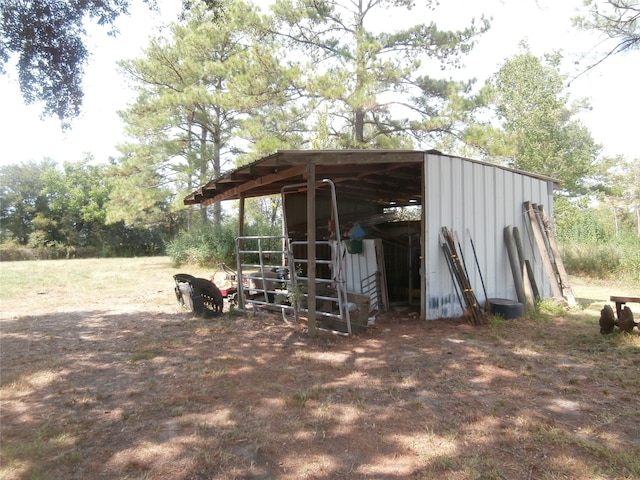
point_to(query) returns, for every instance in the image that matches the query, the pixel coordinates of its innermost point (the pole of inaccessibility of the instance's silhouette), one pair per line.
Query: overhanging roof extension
(389, 177)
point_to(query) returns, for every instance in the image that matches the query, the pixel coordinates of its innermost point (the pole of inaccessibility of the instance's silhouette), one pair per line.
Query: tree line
(231, 83)
(52, 211)
(47, 40)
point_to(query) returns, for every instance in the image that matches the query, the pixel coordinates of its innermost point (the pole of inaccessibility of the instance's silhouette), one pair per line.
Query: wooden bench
(620, 301)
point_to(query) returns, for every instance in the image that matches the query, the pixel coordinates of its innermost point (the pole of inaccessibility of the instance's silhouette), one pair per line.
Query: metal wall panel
(363, 274)
(477, 201)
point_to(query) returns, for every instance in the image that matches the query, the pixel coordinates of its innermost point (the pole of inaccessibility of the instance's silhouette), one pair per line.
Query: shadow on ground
(97, 394)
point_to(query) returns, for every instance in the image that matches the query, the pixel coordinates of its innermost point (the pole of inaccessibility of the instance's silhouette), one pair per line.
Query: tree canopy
(537, 129)
(21, 199)
(369, 79)
(45, 206)
(48, 37)
(195, 91)
(242, 84)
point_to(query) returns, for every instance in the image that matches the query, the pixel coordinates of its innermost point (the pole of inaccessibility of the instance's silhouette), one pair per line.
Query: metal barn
(347, 189)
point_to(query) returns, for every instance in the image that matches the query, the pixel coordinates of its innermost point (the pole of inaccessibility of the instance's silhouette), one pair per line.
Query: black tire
(507, 309)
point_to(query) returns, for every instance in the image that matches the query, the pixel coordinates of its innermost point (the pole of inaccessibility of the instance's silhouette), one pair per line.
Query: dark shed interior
(368, 183)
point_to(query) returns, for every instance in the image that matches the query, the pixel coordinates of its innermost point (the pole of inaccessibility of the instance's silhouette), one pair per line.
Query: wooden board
(544, 253)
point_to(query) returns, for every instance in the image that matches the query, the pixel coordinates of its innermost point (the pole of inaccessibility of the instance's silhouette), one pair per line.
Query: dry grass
(102, 376)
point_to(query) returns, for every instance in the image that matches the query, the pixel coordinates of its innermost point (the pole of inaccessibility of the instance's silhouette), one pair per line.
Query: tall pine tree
(368, 83)
(195, 92)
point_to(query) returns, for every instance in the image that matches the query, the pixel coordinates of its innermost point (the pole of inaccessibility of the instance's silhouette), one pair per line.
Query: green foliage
(48, 39)
(576, 223)
(215, 80)
(22, 198)
(42, 72)
(629, 247)
(367, 89)
(539, 131)
(496, 324)
(60, 213)
(204, 245)
(617, 188)
(76, 197)
(548, 308)
(596, 261)
(447, 112)
(617, 258)
(10, 252)
(207, 243)
(592, 245)
(138, 194)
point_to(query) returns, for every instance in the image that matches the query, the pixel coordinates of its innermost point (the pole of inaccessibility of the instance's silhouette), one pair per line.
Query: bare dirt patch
(119, 383)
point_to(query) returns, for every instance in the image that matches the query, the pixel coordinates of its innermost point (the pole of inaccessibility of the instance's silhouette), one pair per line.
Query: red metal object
(228, 291)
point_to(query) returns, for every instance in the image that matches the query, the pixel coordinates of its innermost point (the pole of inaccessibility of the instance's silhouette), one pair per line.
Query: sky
(612, 87)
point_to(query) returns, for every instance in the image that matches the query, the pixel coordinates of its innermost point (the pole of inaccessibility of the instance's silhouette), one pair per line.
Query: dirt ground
(128, 386)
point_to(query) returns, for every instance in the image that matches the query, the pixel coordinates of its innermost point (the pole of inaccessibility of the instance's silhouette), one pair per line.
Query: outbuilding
(352, 195)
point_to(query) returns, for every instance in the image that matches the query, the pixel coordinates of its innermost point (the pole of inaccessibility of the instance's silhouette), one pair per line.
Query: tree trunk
(361, 65)
(203, 173)
(217, 147)
(359, 125)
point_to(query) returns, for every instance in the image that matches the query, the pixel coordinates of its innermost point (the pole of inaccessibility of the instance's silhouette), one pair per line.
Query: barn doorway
(402, 252)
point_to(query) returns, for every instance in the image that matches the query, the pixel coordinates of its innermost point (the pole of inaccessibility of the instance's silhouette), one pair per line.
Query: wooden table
(620, 301)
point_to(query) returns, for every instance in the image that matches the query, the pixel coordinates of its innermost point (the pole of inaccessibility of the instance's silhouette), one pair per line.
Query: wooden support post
(239, 257)
(515, 265)
(532, 280)
(311, 247)
(526, 281)
(241, 216)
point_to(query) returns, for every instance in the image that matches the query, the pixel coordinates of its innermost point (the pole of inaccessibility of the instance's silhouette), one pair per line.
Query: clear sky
(545, 24)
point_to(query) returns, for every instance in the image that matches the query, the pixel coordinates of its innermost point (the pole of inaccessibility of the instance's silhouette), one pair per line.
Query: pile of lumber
(458, 270)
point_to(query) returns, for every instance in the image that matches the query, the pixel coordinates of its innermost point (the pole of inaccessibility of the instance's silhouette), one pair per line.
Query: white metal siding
(362, 272)
(477, 201)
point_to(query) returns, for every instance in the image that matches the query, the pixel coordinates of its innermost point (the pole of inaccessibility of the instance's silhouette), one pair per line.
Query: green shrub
(53, 252)
(206, 244)
(592, 244)
(629, 264)
(576, 223)
(617, 258)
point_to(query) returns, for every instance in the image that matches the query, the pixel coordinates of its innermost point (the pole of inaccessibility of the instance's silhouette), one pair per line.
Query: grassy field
(103, 376)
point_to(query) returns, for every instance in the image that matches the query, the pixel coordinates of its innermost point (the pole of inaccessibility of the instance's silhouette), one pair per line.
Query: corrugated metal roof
(385, 176)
